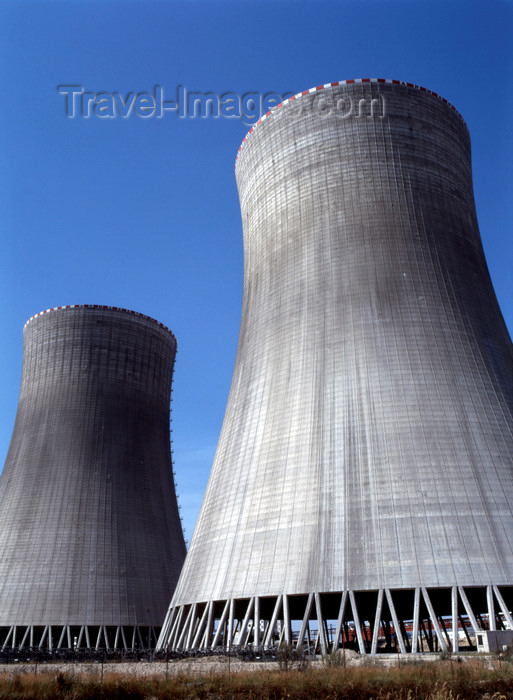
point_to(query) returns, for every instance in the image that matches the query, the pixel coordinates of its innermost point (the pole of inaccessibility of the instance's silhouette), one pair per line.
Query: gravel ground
(216, 664)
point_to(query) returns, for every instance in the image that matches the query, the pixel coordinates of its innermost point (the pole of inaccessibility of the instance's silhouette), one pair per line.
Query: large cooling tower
(90, 536)
(363, 481)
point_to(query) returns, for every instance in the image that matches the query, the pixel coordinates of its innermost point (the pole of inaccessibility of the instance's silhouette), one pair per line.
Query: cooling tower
(362, 488)
(90, 536)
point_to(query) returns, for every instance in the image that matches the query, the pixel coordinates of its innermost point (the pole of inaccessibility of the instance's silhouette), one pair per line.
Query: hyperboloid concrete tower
(90, 536)
(364, 472)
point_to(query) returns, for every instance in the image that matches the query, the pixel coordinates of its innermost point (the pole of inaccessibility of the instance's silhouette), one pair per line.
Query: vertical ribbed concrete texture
(367, 443)
(90, 533)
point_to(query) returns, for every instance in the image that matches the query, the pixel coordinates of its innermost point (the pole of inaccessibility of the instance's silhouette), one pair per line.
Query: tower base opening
(412, 621)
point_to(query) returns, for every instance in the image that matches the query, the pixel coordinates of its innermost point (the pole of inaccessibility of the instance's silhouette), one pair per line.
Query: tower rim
(351, 81)
(101, 307)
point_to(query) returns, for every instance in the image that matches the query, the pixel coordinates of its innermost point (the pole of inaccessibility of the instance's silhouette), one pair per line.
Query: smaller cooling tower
(91, 541)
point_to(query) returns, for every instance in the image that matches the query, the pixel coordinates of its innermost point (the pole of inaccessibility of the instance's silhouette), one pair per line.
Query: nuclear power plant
(363, 481)
(91, 542)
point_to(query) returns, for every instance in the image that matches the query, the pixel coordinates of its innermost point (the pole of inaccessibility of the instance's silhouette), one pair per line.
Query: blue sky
(144, 214)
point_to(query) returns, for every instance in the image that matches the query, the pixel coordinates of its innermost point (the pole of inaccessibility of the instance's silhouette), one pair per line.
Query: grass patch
(442, 680)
